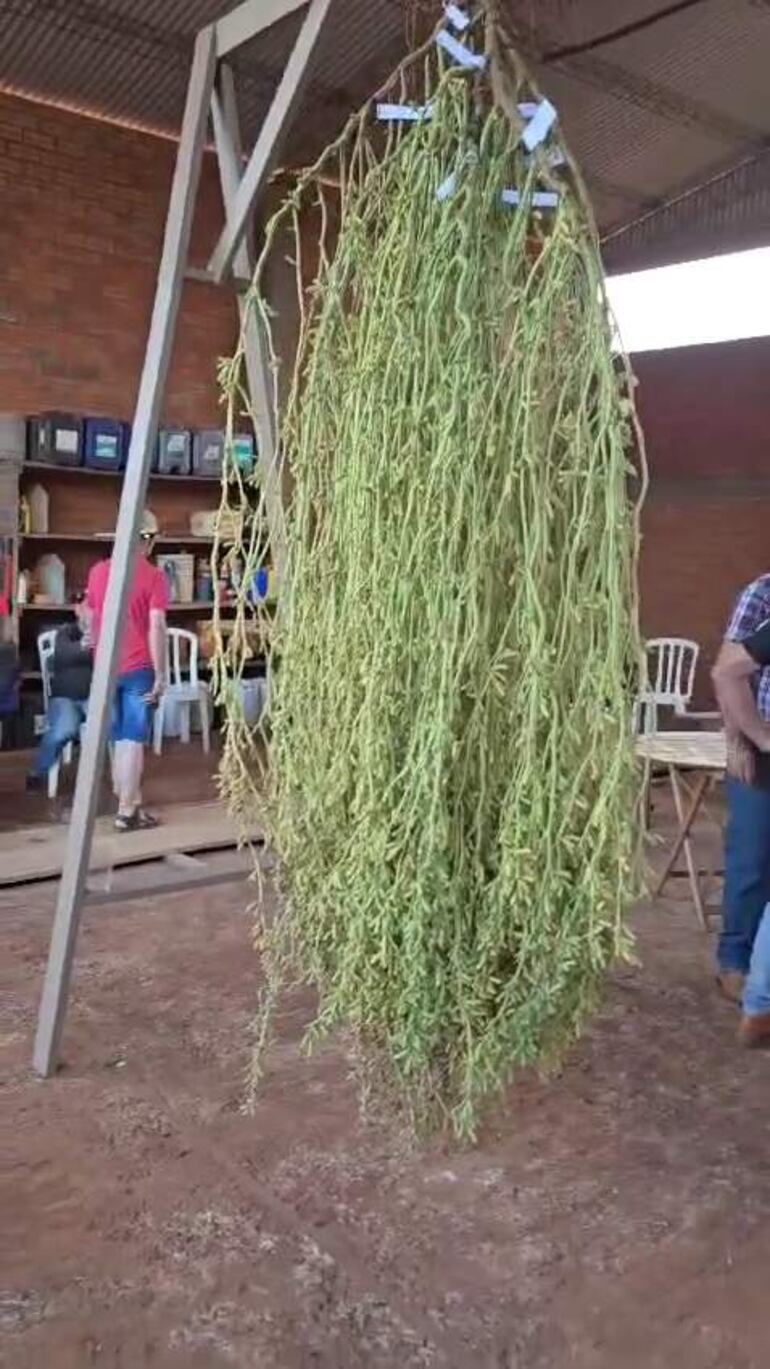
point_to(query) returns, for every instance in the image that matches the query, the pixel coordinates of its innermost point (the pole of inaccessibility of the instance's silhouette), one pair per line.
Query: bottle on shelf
(204, 587)
(236, 574)
(37, 505)
(50, 579)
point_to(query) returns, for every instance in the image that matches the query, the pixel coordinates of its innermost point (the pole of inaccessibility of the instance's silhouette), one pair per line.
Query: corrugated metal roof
(648, 115)
(663, 110)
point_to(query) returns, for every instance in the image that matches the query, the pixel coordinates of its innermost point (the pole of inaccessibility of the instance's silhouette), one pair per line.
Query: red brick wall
(706, 416)
(82, 210)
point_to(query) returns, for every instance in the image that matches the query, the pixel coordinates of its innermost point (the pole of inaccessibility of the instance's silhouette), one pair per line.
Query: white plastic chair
(645, 715)
(183, 693)
(46, 644)
(671, 666)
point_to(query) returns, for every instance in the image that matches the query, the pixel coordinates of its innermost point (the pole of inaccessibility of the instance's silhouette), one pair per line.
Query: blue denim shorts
(131, 711)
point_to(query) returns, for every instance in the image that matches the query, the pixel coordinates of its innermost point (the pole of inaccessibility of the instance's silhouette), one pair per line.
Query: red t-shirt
(149, 590)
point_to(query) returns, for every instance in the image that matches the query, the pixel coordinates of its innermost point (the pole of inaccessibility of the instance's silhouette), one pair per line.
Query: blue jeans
(131, 713)
(747, 873)
(756, 992)
(63, 723)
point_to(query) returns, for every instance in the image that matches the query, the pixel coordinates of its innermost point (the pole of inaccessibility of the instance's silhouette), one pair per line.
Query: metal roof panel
(646, 115)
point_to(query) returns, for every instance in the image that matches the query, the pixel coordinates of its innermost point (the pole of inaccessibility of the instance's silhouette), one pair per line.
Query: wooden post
(173, 260)
(240, 193)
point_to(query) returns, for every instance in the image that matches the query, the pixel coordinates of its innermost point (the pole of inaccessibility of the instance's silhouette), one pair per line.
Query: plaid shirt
(751, 611)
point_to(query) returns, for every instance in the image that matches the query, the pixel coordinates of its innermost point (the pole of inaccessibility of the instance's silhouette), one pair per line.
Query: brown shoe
(755, 1031)
(730, 984)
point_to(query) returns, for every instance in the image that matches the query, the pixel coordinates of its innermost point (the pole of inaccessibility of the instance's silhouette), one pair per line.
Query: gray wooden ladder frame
(211, 90)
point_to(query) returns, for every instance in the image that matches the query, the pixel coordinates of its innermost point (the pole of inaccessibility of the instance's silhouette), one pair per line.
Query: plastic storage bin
(254, 699)
(173, 455)
(208, 452)
(243, 452)
(56, 439)
(105, 444)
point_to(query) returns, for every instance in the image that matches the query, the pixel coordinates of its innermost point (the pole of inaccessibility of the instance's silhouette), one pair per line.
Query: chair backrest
(671, 665)
(46, 643)
(182, 656)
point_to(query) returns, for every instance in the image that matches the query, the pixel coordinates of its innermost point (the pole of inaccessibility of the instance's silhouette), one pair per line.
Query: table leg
(684, 785)
(682, 842)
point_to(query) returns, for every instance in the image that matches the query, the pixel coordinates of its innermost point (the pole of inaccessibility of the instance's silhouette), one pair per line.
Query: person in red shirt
(141, 676)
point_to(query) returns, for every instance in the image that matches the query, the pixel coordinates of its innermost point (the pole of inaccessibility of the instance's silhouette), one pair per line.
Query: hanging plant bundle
(451, 786)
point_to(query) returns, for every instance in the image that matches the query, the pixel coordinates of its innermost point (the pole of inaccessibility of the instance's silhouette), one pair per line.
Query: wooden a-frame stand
(211, 91)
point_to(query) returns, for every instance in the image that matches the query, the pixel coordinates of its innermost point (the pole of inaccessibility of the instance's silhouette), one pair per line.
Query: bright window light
(716, 299)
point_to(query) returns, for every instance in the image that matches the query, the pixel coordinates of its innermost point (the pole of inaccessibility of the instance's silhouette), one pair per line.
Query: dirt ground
(613, 1217)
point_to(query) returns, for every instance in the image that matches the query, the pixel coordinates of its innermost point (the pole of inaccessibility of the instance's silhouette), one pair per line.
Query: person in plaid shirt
(737, 666)
(745, 705)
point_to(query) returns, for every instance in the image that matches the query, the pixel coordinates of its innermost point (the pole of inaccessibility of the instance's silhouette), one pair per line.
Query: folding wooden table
(705, 754)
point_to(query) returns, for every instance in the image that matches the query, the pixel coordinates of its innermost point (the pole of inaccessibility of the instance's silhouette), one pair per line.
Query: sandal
(138, 821)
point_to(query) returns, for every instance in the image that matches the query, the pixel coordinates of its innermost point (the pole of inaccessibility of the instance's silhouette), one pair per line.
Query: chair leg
(68, 753)
(53, 780)
(203, 704)
(157, 727)
(647, 799)
(185, 711)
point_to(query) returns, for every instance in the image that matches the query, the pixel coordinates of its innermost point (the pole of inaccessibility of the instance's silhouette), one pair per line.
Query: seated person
(71, 667)
(737, 664)
(9, 679)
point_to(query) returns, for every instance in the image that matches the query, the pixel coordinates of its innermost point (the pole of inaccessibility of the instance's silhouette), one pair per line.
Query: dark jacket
(72, 665)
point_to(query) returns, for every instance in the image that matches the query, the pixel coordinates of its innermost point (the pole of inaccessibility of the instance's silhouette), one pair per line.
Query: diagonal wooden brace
(266, 149)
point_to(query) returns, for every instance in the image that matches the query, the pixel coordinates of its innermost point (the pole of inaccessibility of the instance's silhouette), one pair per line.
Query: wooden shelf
(52, 469)
(46, 608)
(198, 606)
(167, 539)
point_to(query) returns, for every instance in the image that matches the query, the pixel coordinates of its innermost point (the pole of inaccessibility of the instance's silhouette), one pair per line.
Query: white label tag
(462, 55)
(456, 17)
(66, 440)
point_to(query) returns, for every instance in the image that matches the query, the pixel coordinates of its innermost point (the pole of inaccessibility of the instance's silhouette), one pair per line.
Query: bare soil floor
(612, 1217)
